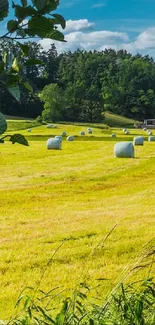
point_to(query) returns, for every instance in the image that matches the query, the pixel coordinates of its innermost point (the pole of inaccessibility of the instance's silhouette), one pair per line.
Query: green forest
(81, 86)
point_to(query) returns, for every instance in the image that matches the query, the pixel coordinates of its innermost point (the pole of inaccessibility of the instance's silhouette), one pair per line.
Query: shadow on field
(79, 138)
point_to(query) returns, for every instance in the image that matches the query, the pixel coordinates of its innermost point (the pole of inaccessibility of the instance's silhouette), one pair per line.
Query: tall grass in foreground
(127, 304)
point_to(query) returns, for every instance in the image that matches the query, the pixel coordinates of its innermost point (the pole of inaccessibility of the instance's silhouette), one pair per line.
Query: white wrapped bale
(113, 135)
(90, 131)
(82, 133)
(138, 141)
(58, 137)
(127, 132)
(150, 139)
(64, 134)
(28, 130)
(54, 143)
(49, 126)
(124, 150)
(149, 133)
(124, 130)
(55, 126)
(70, 138)
(144, 129)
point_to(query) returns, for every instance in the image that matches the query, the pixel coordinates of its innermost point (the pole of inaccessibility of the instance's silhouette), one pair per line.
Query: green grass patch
(113, 120)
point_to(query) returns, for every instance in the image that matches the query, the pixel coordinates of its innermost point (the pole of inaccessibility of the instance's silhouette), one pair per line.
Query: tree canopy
(90, 83)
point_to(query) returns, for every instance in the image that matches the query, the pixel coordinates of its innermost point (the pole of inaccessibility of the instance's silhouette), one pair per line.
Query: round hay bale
(64, 134)
(54, 143)
(28, 130)
(90, 132)
(70, 138)
(150, 133)
(82, 133)
(124, 130)
(89, 129)
(138, 141)
(113, 135)
(49, 126)
(124, 150)
(150, 139)
(55, 126)
(59, 137)
(127, 132)
(144, 129)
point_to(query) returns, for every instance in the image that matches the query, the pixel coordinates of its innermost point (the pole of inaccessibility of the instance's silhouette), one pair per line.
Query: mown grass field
(72, 197)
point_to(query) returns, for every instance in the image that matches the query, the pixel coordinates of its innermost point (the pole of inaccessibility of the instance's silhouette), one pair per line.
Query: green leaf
(3, 124)
(60, 20)
(14, 91)
(43, 27)
(4, 9)
(19, 138)
(12, 25)
(56, 35)
(5, 57)
(60, 319)
(25, 49)
(91, 322)
(28, 86)
(1, 67)
(40, 4)
(33, 62)
(40, 26)
(24, 3)
(15, 66)
(46, 6)
(23, 12)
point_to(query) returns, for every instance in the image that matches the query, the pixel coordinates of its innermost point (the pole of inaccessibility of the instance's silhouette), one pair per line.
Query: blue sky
(127, 24)
(99, 24)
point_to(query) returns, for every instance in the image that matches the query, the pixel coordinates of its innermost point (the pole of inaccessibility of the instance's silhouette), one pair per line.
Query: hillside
(111, 120)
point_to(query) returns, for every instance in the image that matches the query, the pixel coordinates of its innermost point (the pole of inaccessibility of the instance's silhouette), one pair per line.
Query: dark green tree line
(91, 82)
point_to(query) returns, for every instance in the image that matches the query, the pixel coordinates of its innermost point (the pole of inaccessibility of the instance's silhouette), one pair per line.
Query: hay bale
(90, 131)
(82, 133)
(124, 130)
(150, 133)
(49, 126)
(55, 126)
(144, 129)
(124, 150)
(28, 130)
(113, 135)
(70, 138)
(150, 139)
(127, 132)
(64, 134)
(138, 141)
(58, 137)
(54, 143)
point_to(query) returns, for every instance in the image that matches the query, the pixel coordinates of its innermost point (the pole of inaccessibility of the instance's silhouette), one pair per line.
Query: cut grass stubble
(74, 196)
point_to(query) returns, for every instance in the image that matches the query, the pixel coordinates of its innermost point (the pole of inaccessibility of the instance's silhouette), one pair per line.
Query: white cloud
(78, 34)
(99, 5)
(144, 42)
(75, 25)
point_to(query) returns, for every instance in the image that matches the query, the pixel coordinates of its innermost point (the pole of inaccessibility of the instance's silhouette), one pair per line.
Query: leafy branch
(34, 20)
